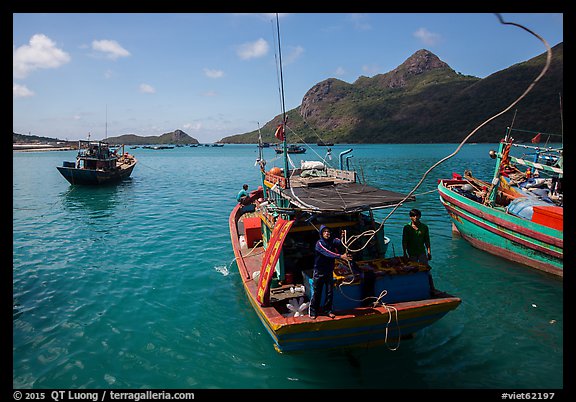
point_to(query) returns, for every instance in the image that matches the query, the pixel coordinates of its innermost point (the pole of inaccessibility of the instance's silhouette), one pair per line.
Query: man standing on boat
(416, 243)
(326, 251)
(416, 239)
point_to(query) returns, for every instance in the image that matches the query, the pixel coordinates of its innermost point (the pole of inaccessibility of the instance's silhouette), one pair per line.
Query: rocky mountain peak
(319, 93)
(421, 61)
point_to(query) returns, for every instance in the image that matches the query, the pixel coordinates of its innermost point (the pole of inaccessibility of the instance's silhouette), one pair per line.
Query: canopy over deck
(343, 197)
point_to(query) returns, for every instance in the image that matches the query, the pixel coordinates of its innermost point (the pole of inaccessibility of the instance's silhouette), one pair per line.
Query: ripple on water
(134, 286)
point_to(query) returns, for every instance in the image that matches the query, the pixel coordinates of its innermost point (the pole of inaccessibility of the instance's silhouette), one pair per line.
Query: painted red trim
(502, 222)
(508, 236)
(512, 256)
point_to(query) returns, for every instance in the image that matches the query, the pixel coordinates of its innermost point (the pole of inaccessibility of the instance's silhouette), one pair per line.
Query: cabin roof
(343, 197)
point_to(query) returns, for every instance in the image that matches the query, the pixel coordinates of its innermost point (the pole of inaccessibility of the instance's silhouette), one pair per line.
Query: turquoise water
(134, 285)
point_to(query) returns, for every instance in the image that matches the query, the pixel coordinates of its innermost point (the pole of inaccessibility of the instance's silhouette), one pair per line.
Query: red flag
(536, 139)
(280, 132)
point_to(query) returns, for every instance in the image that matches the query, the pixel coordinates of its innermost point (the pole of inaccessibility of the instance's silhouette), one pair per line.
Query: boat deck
(334, 190)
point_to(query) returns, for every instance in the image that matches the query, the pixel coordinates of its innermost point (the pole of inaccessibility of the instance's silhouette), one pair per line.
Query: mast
(284, 143)
(259, 143)
(261, 162)
(106, 127)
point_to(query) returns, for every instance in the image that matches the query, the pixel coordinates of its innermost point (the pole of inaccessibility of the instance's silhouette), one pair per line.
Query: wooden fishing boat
(96, 163)
(513, 216)
(291, 149)
(377, 300)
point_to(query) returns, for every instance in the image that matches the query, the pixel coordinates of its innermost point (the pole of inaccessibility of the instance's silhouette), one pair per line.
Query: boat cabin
(95, 156)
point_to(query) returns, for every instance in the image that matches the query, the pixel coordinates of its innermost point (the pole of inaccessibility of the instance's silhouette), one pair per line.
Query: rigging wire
(308, 145)
(532, 84)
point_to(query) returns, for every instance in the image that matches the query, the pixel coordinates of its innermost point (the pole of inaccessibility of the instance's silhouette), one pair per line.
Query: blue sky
(214, 75)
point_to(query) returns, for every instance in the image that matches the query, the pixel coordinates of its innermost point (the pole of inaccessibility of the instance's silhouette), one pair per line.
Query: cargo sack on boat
(523, 207)
(313, 173)
(304, 165)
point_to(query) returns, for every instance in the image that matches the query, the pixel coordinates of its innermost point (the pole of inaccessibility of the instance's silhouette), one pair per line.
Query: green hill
(423, 101)
(174, 137)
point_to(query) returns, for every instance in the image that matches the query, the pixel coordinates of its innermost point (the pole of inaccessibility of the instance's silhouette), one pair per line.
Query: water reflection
(96, 201)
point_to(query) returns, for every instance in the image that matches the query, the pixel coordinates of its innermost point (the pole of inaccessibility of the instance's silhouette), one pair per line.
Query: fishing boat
(324, 144)
(377, 299)
(518, 214)
(291, 149)
(96, 163)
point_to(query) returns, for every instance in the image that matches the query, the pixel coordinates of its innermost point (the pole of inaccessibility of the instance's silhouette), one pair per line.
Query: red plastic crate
(552, 216)
(252, 231)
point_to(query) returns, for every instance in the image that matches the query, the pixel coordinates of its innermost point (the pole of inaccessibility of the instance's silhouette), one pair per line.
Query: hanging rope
(532, 84)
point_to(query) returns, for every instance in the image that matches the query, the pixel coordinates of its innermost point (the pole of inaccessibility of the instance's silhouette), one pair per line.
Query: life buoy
(276, 171)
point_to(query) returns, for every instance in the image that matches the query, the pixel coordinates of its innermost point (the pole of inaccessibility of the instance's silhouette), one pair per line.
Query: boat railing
(536, 165)
(348, 175)
(538, 148)
(272, 179)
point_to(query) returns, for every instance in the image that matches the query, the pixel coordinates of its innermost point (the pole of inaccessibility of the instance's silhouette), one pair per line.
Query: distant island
(32, 142)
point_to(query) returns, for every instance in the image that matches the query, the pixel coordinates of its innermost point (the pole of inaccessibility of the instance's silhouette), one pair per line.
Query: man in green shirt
(416, 243)
(416, 239)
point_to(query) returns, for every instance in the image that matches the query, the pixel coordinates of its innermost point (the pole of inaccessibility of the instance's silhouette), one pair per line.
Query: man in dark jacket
(326, 251)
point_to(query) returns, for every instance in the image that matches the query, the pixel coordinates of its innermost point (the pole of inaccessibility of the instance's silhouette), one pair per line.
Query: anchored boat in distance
(96, 163)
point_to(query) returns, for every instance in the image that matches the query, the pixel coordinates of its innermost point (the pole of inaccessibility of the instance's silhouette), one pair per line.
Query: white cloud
(427, 37)
(147, 89)
(192, 126)
(210, 73)
(339, 72)
(110, 48)
(359, 21)
(265, 16)
(294, 54)
(252, 50)
(209, 93)
(370, 69)
(20, 91)
(41, 52)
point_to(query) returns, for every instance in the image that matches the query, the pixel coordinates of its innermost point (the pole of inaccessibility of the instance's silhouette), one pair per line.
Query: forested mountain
(423, 100)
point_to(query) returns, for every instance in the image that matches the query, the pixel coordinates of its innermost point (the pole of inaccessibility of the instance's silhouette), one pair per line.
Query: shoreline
(43, 148)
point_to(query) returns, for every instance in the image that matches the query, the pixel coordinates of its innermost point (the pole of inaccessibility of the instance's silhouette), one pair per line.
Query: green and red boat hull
(497, 232)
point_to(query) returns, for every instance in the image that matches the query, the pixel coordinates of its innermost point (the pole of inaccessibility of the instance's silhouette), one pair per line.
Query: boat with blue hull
(97, 164)
(516, 215)
(377, 299)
